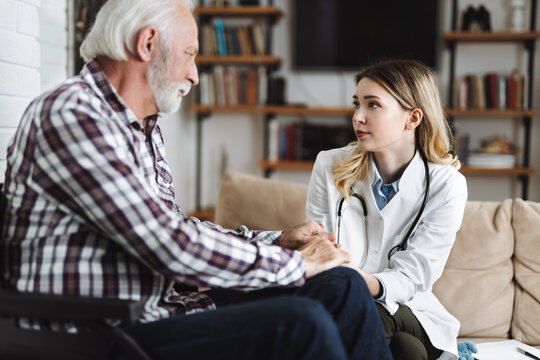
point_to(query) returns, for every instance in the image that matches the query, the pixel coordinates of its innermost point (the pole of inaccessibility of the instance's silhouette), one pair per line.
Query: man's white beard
(165, 92)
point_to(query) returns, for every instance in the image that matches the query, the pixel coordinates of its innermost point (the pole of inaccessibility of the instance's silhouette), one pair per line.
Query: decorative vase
(518, 15)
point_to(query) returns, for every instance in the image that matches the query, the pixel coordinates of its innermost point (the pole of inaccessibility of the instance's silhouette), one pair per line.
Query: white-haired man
(90, 211)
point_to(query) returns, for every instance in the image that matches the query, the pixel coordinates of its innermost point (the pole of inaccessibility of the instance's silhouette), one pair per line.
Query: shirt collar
(377, 179)
(93, 74)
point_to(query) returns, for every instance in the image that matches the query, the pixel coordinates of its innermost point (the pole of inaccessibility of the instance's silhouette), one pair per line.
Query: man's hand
(299, 235)
(321, 255)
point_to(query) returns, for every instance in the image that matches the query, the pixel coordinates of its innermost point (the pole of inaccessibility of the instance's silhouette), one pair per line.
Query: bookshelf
(528, 39)
(258, 57)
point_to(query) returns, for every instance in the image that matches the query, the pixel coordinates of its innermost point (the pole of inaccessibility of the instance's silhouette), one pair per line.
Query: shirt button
(375, 252)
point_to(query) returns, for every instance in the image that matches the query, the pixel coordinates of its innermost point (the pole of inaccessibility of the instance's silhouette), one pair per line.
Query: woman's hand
(374, 286)
(321, 255)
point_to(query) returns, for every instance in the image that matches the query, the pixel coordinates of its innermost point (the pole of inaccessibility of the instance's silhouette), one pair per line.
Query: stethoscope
(403, 244)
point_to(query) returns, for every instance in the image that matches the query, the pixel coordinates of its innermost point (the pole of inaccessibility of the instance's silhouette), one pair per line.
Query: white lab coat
(410, 274)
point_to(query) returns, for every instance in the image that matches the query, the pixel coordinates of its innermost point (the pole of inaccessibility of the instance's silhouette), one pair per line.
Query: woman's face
(379, 121)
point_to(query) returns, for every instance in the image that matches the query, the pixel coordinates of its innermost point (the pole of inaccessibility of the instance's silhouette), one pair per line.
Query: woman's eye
(356, 105)
(373, 105)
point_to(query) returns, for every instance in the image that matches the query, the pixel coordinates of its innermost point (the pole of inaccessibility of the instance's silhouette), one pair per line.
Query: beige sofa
(492, 279)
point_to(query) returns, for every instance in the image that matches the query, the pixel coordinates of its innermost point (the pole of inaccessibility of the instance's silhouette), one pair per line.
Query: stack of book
(232, 85)
(486, 160)
(302, 141)
(492, 91)
(223, 39)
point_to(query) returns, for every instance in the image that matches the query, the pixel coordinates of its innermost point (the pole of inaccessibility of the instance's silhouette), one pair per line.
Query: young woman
(395, 199)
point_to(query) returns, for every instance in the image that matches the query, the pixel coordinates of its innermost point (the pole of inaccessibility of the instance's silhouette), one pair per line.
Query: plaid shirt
(91, 211)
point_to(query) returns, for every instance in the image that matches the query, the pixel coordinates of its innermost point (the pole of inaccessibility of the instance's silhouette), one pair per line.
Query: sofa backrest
(477, 285)
(526, 223)
(260, 204)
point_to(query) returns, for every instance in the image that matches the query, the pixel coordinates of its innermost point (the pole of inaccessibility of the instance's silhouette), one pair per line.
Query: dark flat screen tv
(349, 34)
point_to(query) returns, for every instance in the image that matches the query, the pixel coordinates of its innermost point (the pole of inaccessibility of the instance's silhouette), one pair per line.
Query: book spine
(273, 140)
(502, 92)
(220, 35)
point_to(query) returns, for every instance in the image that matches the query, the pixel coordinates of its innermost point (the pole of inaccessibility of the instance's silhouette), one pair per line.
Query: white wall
(54, 44)
(241, 135)
(19, 65)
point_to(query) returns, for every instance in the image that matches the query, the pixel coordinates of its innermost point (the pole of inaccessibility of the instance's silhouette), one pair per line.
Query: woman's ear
(415, 118)
(147, 43)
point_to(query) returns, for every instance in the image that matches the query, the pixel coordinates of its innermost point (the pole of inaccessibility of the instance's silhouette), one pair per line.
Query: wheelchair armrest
(67, 308)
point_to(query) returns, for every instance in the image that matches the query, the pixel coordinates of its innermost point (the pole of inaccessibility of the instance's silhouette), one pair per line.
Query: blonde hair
(414, 86)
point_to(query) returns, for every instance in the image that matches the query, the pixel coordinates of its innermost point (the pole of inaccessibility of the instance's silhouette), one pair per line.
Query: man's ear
(147, 43)
(415, 118)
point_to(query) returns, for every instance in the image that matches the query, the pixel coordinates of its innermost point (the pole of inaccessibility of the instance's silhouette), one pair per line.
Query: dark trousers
(332, 316)
(406, 336)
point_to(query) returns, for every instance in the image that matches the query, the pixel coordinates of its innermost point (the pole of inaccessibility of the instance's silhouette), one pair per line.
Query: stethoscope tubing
(403, 245)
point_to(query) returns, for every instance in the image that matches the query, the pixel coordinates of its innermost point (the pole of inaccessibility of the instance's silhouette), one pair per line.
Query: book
(513, 91)
(485, 160)
(480, 93)
(220, 35)
(219, 73)
(463, 95)
(273, 140)
(263, 85)
(252, 87)
(258, 40)
(502, 92)
(493, 90)
(204, 98)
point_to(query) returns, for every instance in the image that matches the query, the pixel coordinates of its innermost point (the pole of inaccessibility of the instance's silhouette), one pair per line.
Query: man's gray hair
(119, 22)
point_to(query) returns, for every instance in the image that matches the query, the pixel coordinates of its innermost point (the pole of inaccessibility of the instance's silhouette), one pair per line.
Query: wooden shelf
(336, 111)
(238, 59)
(274, 109)
(495, 36)
(238, 11)
(465, 170)
(515, 171)
(491, 113)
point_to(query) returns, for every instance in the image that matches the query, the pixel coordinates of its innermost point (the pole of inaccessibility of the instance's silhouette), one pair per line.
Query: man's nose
(193, 75)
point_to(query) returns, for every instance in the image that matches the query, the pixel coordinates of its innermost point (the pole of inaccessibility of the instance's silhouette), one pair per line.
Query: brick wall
(53, 39)
(20, 79)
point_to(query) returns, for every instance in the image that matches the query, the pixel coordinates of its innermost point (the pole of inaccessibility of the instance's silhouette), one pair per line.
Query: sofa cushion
(259, 203)
(526, 321)
(476, 285)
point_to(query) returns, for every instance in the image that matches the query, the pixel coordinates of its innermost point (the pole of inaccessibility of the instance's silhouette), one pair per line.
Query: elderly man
(90, 211)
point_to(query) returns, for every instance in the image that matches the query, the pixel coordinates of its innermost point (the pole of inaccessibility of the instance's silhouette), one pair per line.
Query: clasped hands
(320, 253)
(316, 246)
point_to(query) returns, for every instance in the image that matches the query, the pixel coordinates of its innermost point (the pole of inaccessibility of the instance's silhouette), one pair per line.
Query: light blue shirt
(383, 194)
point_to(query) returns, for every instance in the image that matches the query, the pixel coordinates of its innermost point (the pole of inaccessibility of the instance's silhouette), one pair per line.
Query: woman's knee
(405, 346)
